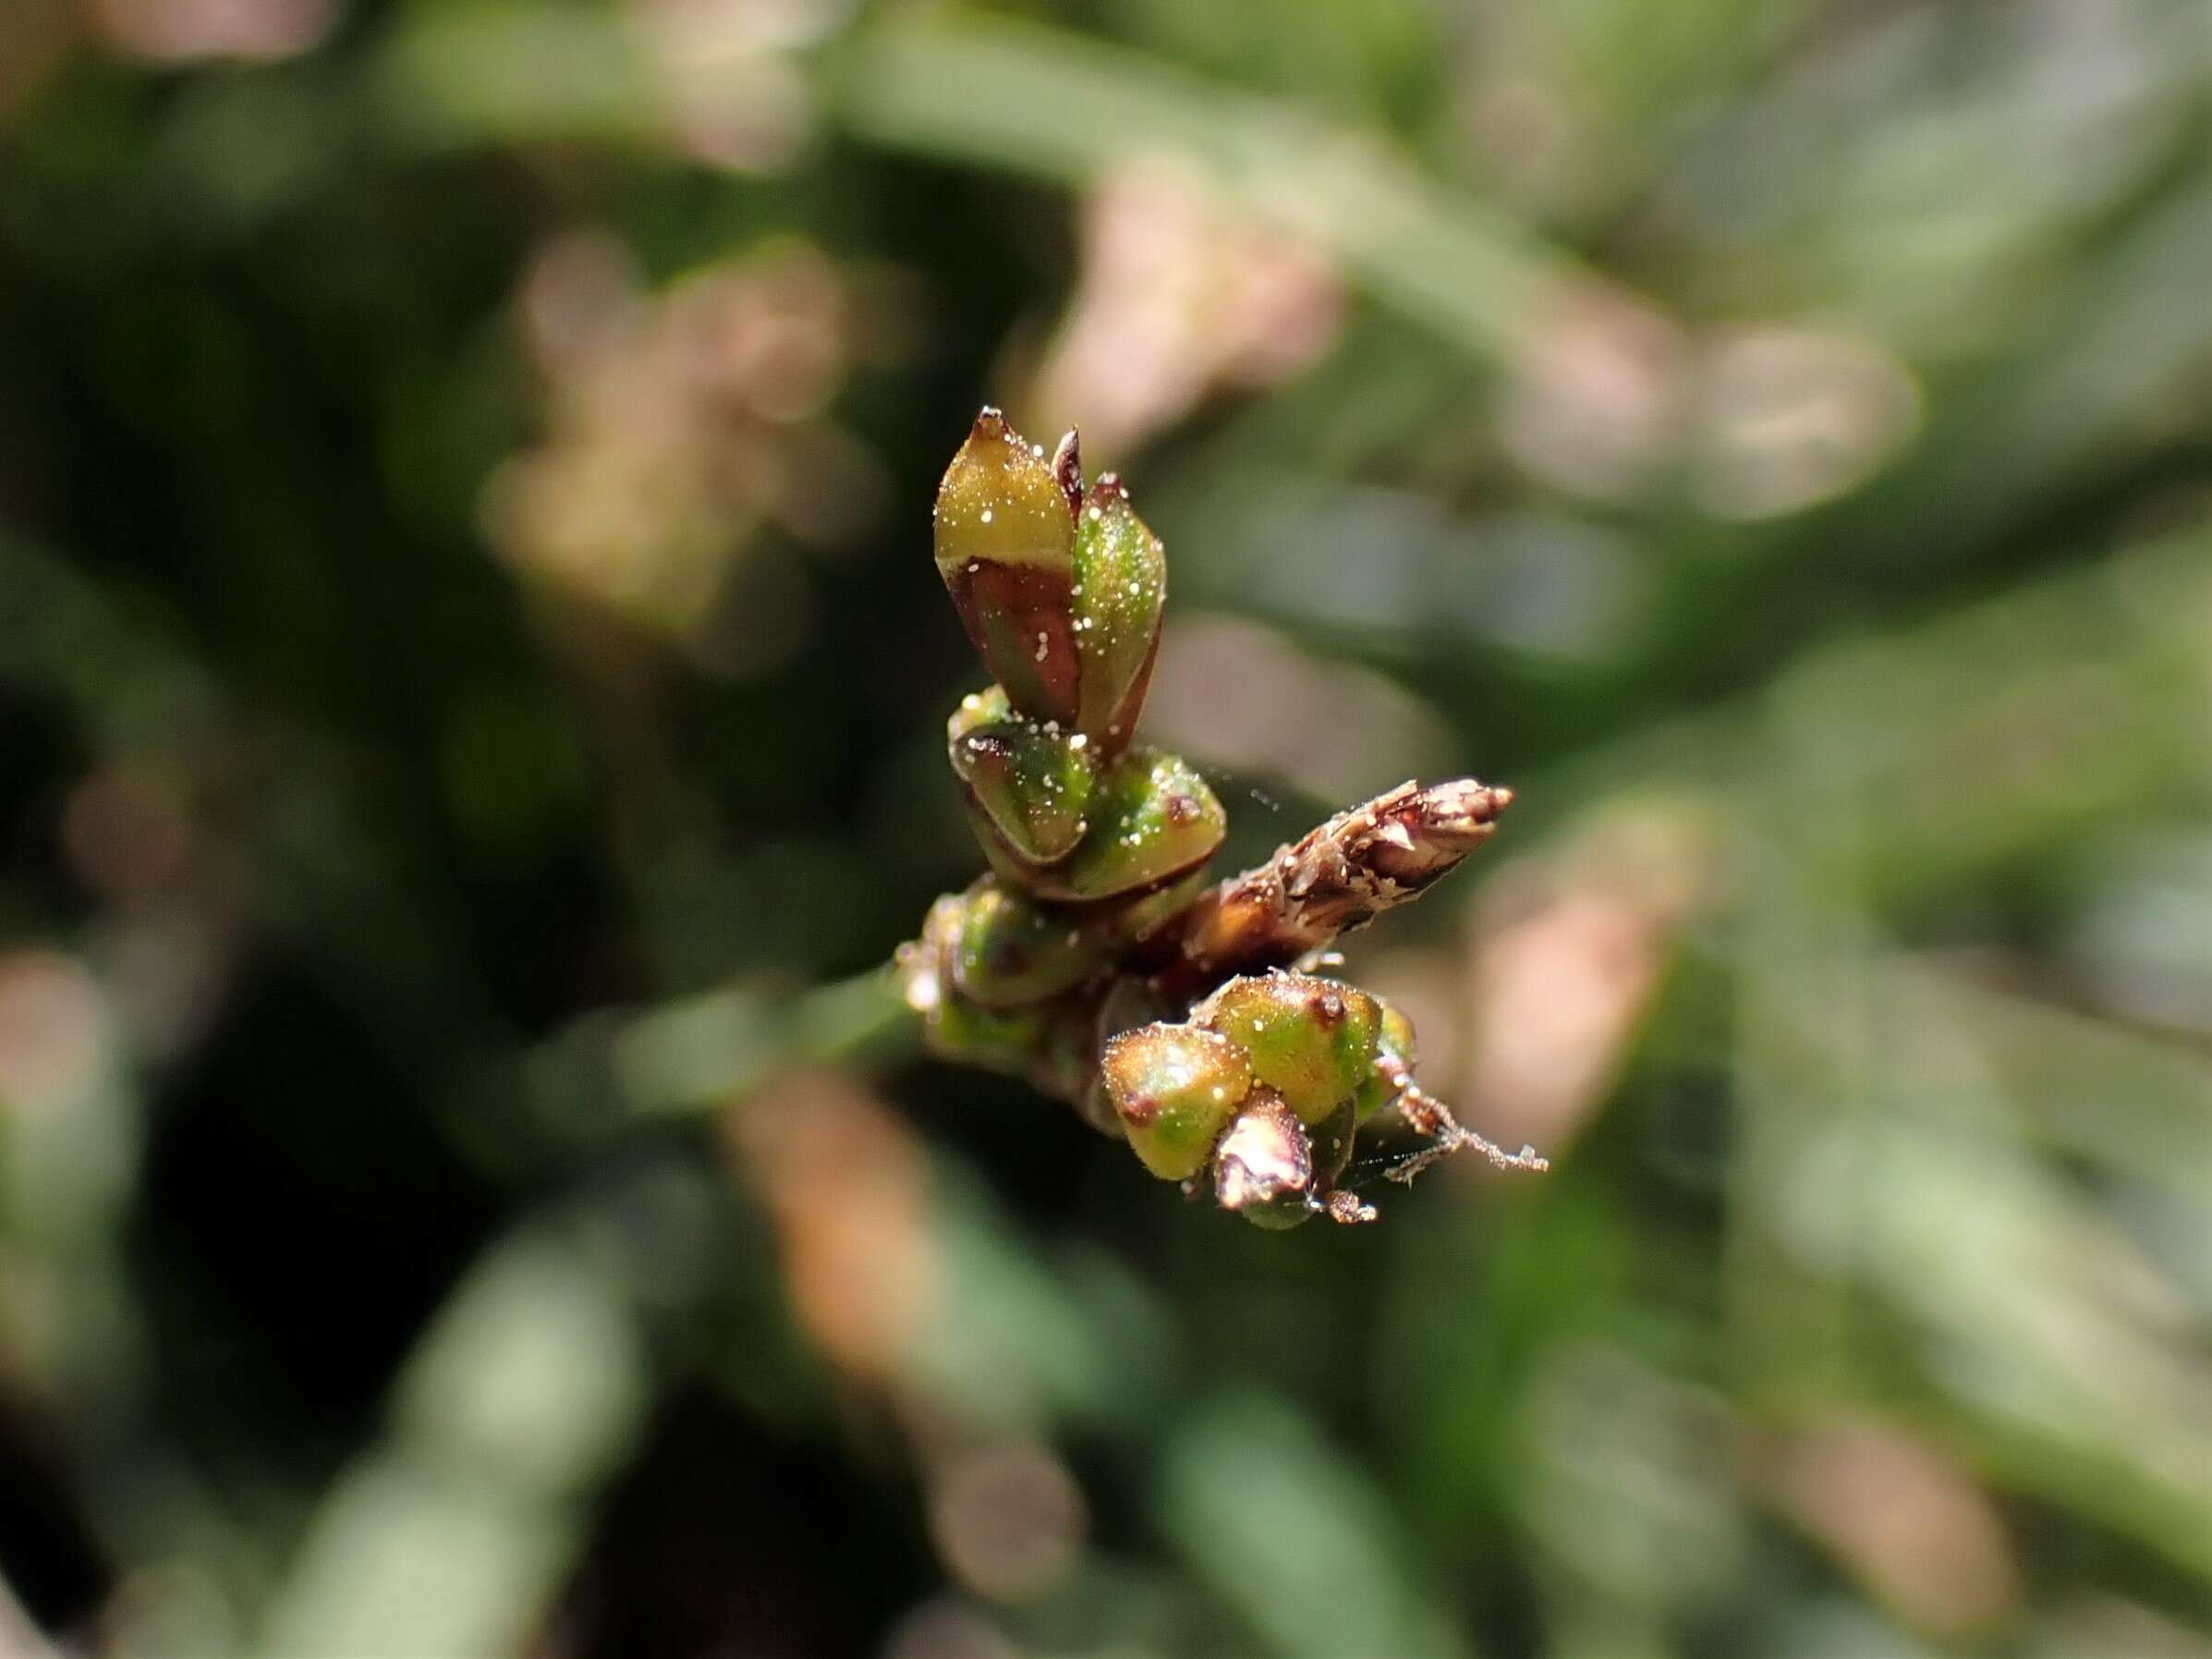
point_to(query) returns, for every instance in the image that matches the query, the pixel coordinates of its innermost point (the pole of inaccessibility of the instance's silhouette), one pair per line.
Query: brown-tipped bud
(1152, 823)
(1311, 1039)
(1121, 587)
(1174, 1087)
(1034, 783)
(1067, 469)
(1338, 877)
(1006, 550)
(1263, 1168)
(1152, 820)
(1007, 953)
(1433, 829)
(1124, 1004)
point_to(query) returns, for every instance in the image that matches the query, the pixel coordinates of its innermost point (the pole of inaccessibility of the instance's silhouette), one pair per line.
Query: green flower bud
(1311, 1039)
(1009, 866)
(1052, 1041)
(1127, 1004)
(1263, 1168)
(1396, 1038)
(1174, 1087)
(1007, 952)
(1144, 917)
(1000, 1039)
(1034, 783)
(1393, 1042)
(1153, 819)
(1006, 523)
(1047, 1042)
(1120, 588)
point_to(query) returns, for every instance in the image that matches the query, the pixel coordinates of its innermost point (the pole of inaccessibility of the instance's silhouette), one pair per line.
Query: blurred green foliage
(473, 675)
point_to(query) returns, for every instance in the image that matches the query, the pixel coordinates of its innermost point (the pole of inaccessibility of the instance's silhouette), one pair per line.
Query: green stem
(700, 1054)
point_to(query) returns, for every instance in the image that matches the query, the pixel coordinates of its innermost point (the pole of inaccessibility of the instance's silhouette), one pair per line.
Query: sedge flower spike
(1193, 1022)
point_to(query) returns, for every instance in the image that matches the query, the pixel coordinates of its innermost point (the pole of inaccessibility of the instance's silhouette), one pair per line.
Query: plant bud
(1174, 1087)
(1311, 1039)
(1393, 1042)
(1007, 549)
(1034, 783)
(1006, 952)
(1120, 588)
(1141, 917)
(1125, 1004)
(1153, 819)
(1002, 1040)
(1263, 1168)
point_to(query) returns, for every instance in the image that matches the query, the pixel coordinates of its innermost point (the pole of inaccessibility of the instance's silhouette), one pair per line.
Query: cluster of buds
(1191, 1022)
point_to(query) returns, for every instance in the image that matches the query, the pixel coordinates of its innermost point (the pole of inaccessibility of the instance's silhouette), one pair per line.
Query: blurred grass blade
(2134, 330)
(699, 1054)
(1031, 100)
(444, 1542)
(1290, 1535)
(456, 75)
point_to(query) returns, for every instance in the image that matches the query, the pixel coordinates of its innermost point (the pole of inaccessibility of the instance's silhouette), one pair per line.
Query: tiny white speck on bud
(1041, 643)
(923, 992)
(986, 515)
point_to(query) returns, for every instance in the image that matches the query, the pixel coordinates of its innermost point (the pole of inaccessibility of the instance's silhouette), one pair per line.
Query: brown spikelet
(1336, 878)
